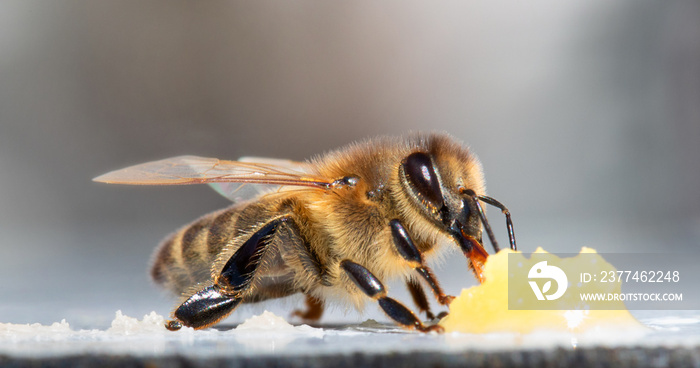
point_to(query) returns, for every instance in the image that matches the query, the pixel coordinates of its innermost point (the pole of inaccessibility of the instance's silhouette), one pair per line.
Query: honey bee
(333, 228)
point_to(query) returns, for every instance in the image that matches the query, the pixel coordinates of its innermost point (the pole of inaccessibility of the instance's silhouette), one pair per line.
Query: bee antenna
(484, 220)
(509, 221)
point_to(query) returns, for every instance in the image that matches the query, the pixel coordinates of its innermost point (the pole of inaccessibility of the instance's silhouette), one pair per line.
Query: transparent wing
(201, 170)
(237, 192)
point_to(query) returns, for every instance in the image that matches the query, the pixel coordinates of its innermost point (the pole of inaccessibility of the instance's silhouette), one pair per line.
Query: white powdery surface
(267, 334)
(152, 323)
(269, 322)
(147, 336)
(10, 332)
(59, 337)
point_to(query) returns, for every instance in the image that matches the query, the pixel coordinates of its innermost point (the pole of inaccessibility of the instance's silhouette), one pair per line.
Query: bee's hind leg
(212, 304)
(374, 289)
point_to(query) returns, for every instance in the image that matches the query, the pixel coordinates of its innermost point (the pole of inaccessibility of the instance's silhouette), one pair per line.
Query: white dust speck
(266, 321)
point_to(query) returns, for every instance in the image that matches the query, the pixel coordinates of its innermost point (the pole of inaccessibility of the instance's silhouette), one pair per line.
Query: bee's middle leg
(213, 303)
(313, 312)
(372, 287)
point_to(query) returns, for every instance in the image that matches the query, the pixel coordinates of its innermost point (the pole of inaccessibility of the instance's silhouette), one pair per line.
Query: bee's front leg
(373, 288)
(211, 304)
(410, 253)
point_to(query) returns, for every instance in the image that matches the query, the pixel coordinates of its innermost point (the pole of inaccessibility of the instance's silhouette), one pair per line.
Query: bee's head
(445, 184)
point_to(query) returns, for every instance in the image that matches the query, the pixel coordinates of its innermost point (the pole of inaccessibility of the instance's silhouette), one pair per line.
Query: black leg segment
(206, 308)
(240, 268)
(399, 313)
(364, 279)
(404, 244)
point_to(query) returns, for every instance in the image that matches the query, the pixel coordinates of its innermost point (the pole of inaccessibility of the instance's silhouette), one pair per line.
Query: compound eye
(421, 175)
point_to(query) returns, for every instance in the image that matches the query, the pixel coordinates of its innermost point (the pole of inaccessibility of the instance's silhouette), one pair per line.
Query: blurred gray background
(585, 114)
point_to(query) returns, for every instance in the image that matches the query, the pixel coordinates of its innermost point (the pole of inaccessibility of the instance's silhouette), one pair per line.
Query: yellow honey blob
(484, 308)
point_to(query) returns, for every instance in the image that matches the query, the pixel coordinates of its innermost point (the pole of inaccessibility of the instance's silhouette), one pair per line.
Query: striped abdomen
(185, 258)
